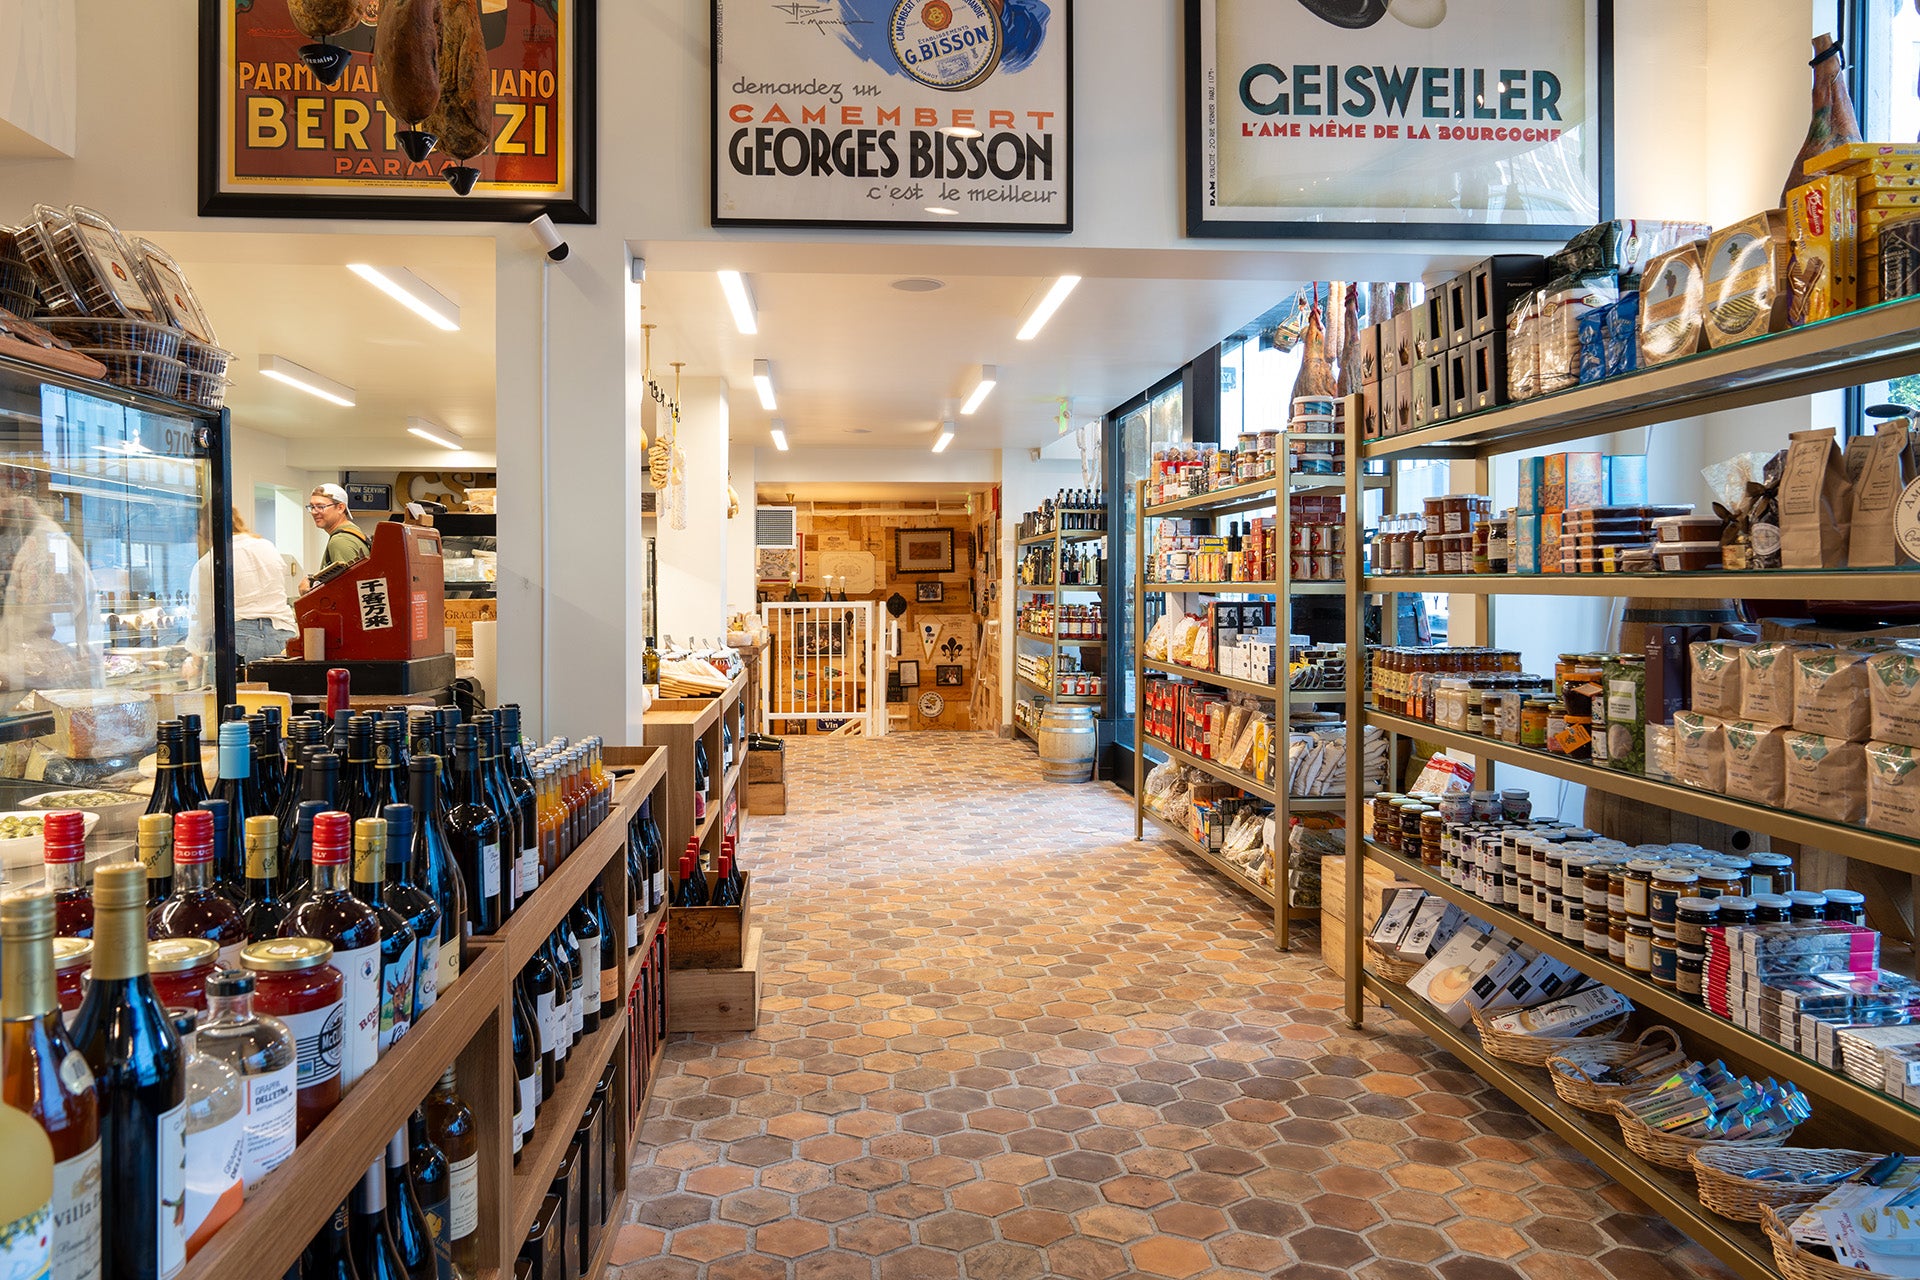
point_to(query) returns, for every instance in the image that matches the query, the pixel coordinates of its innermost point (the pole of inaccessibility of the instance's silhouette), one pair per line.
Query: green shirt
(345, 545)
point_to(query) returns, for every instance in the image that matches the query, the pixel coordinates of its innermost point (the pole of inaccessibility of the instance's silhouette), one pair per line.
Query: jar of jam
(1516, 804)
(180, 969)
(1771, 873)
(1690, 972)
(1846, 906)
(1692, 917)
(1534, 714)
(1381, 809)
(1670, 884)
(1638, 951)
(1594, 934)
(1716, 881)
(1573, 923)
(1431, 825)
(71, 956)
(1734, 910)
(1771, 908)
(1665, 958)
(1617, 940)
(296, 982)
(1804, 906)
(1410, 819)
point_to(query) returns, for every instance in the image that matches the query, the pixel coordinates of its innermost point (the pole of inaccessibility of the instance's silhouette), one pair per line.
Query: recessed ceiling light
(411, 292)
(988, 379)
(281, 369)
(779, 433)
(919, 284)
(763, 383)
(1048, 305)
(941, 211)
(740, 301)
(429, 430)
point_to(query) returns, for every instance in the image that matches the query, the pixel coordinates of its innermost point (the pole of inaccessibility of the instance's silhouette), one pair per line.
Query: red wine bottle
(368, 1236)
(63, 836)
(197, 909)
(263, 910)
(406, 1224)
(474, 834)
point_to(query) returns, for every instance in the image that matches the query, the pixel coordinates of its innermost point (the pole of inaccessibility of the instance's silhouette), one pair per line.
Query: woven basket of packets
(1533, 1036)
(1594, 1076)
(1797, 1259)
(1738, 1182)
(1706, 1107)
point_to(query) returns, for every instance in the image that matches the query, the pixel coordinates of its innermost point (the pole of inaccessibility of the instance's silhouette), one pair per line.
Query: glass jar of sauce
(1670, 884)
(1771, 908)
(180, 969)
(1639, 949)
(1664, 960)
(1689, 972)
(1771, 873)
(1533, 723)
(1735, 910)
(1846, 906)
(1692, 918)
(1804, 906)
(296, 982)
(1716, 881)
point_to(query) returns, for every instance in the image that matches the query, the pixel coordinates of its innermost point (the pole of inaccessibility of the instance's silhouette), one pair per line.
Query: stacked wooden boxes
(714, 953)
(767, 781)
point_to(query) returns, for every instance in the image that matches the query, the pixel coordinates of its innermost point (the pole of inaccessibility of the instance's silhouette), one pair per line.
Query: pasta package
(1746, 293)
(1523, 348)
(1830, 693)
(1893, 788)
(1716, 677)
(1825, 777)
(1756, 765)
(1562, 305)
(1671, 307)
(1893, 689)
(1766, 682)
(1699, 752)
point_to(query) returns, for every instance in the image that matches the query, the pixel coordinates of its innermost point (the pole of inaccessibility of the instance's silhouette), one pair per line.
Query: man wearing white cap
(327, 504)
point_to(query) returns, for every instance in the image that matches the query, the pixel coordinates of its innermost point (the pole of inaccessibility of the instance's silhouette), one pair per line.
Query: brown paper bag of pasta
(1875, 470)
(1816, 503)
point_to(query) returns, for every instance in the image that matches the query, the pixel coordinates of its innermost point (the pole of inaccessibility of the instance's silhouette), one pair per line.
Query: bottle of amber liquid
(450, 1125)
(44, 1076)
(197, 909)
(156, 855)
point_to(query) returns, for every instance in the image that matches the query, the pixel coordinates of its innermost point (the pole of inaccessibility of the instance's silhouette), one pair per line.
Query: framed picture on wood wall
(929, 593)
(923, 551)
(909, 673)
(946, 677)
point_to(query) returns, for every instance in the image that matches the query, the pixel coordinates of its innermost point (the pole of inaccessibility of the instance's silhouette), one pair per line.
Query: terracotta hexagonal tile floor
(999, 1039)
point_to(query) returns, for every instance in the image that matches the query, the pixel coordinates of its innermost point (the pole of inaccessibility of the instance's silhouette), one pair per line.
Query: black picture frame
(1194, 129)
(896, 692)
(1063, 227)
(909, 673)
(579, 207)
(900, 562)
(934, 592)
(949, 677)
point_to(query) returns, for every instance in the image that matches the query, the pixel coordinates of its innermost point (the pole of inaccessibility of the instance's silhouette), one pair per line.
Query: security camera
(550, 238)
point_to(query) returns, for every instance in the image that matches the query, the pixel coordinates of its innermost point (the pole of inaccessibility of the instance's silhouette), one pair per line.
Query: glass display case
(112, 506)
(471, 547)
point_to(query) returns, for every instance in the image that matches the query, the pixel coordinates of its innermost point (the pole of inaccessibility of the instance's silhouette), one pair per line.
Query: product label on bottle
(546, 1013)
(490, 870)
(229, 956)
(529, 1100)
(170, 1180)
(396, 997)
(214, 1188)
(609, 985)
(529, 869)
(271, 1116)
(76, 1218)
(360, 1047)
(591, 978)
(633, 929)
(317, 1039)
(435, 1212)
(26, 1245)
(447, 965)
(576, 1009)
(426, 975)
(463, 1198)
(659, 895)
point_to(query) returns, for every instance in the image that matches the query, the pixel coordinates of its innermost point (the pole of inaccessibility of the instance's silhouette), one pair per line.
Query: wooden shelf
(530, 926)
(1830, 1086)
(1852, 842)
(1065, 699)
(1768, 584)
(1038, 638)
(1740, 1246)
(1211, 768)
(1878, 343)
(294, 1201)
(1098, 588)
(1247, 588)
(557, 1120)
(1240, 879)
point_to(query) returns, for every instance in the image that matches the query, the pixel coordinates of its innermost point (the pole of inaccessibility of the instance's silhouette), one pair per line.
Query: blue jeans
(256, 638)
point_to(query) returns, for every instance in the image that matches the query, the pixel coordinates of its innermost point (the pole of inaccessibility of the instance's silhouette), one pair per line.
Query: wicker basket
(1725, 1188)
(1796, 1263)
(1675, 1152)
(1533, 1051)
(1393, 968)
(1569, 1070)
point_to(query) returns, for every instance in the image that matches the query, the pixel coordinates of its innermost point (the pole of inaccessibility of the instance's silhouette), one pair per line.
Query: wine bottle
(368, 1235)
(356, 773)
(263, 910)
(569, 946)
(700, 781)
(657, 852)
(237, 788)
(330, 1256)
(562, 1007)
(451, 1126)
(193, 770)
(196, 908)
(526, 1068)
(539, 982)
(333, 915)
(325, 781)
(389, 766)
(518, 780)
(301, 873)
(172, 790)
(406, 1224)
(260, 1050)
(44, 1077)
(428, 1165)
(639, 885)
(506, 814)
(434, 867)
(216, 1134)
(731, 887)
(130, 1046)
(26, 1194)
(63, 844)
(474, 835)
(415, 905)
(269, 756)
(227, 885)
(399, 970)
(303, 735)
(609, 951)
(693, 881)
(155, 842)
(585, 927)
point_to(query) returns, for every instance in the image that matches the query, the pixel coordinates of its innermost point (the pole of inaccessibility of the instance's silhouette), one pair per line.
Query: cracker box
(1586, 481)
(1626, 479)
(1553, 492)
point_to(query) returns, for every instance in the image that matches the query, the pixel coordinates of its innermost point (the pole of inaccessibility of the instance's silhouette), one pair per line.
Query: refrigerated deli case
(116, 604)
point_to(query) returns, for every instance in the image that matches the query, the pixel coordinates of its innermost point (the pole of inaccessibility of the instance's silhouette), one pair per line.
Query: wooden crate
(766, 766)
(766, 799)
(717, 999)
(710, 937)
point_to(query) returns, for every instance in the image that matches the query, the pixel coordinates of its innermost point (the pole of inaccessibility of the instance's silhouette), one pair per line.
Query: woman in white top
(263, 620)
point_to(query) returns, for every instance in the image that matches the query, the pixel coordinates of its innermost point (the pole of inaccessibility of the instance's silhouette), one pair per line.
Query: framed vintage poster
(893, 113)
(1423, 119)
(923, 551)
(275, 141)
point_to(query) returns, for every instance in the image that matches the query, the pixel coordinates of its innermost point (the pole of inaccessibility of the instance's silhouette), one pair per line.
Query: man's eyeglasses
(321, 506)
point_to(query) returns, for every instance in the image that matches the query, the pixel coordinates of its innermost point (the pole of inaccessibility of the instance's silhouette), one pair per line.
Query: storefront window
(1159, 421)
(1886, 54)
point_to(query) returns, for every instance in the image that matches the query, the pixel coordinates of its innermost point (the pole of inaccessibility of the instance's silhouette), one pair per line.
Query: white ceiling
(292, 296)
(857, 363)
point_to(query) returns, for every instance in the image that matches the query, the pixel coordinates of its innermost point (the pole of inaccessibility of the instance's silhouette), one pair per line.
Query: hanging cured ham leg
(464, 119)
(406, 56)
(320, 21)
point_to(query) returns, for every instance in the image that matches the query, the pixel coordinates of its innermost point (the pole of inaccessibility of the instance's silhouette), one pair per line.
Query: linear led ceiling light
(763, 383)
(740, 299)
(281, 369)
(989, 379)
(413, 293)
(1048, 305)
(427, 429)
(946, 438)
(780, 435)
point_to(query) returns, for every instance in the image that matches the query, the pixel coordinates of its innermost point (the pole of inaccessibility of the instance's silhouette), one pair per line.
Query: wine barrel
(1069, 740)
(1642, 615)
(1637, 822)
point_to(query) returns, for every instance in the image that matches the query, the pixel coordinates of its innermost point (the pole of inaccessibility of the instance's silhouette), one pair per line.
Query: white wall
(39, 77)
(743, 469)
(694, 561)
